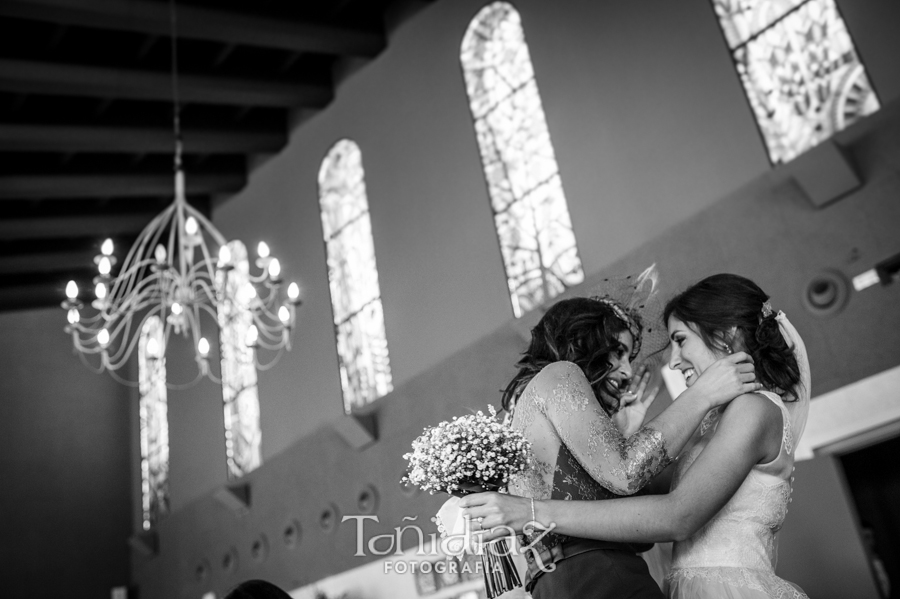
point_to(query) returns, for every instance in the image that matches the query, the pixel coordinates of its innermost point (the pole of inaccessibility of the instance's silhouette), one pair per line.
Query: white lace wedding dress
(733, 556)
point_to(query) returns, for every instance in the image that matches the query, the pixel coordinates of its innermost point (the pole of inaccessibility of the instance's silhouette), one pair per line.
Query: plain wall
(65, 470)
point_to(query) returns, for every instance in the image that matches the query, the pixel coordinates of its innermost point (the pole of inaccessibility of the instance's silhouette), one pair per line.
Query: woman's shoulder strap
(787, 440)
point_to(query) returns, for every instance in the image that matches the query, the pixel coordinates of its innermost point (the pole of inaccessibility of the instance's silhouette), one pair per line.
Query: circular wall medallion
(826, 294)
(201, 571)
(291, 534)
(230, 560)
(329, 517)
(259, 549)
(367, 500)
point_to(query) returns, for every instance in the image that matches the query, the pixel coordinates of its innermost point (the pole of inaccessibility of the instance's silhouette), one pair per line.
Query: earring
(728, 349)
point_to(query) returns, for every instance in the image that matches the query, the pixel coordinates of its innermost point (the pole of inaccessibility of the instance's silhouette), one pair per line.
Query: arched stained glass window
(154, 422)
(353, 277)
(799, 68)
(530, 211)
(239, 392)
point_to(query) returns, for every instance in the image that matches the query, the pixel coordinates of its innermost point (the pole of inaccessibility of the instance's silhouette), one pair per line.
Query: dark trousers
(598, 574)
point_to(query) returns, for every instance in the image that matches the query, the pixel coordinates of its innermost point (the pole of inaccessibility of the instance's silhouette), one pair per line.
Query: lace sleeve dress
(579, 454)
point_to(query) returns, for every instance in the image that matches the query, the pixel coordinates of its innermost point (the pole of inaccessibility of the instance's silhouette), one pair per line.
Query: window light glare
(71, 290)
(107, 248)
(203, 347)
(262, 249)
(190, 226)
(866, 279)
(274, 268)
(104, 266)
(246, 294)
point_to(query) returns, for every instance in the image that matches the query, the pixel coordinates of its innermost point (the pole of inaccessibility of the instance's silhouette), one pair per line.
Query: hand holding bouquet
(465, 455)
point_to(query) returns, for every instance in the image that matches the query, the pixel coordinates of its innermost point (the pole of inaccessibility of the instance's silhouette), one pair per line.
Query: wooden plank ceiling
(86, 139)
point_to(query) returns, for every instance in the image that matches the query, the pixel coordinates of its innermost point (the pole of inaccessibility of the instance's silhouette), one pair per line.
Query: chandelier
(179, 268)
(171, 272)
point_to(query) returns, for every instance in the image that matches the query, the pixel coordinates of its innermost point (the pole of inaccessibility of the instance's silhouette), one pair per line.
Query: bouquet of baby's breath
(467, 454)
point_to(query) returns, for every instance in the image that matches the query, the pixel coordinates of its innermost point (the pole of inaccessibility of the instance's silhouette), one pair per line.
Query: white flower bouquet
(466, 455)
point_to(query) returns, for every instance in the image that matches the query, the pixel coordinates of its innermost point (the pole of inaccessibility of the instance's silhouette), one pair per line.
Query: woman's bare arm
(749, 432)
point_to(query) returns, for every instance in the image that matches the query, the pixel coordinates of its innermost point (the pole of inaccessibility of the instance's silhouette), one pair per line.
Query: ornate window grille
(239, 391)
(154, 423)
(530, 211)
(353, 277)
(799, 68)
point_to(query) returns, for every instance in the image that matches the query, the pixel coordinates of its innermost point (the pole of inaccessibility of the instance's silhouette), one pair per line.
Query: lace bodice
(743, 533)
(578, 453)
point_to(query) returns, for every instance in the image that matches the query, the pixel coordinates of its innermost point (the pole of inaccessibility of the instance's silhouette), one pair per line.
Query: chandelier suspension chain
(176, 100)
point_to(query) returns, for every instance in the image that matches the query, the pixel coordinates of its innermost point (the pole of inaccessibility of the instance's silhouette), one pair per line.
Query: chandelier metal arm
(267, 366)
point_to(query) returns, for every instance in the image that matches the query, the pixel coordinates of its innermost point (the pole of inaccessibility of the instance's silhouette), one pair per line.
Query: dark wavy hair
(579, 330)
(716, 304)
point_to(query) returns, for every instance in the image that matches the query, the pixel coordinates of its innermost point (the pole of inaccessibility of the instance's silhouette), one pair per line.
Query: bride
(732, 483)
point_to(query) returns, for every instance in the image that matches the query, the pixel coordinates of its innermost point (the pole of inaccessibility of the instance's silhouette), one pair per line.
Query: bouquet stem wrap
(500, 573)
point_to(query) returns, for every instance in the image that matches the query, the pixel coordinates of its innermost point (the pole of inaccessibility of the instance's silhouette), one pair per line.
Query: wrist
(542, 515)
(693, 397)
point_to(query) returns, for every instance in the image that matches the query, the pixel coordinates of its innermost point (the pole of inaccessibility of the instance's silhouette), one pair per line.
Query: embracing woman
(567, 391)
(732, 485)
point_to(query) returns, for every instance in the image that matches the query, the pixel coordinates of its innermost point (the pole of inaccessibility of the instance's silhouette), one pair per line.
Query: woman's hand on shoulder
(726, 379)
(498, 514)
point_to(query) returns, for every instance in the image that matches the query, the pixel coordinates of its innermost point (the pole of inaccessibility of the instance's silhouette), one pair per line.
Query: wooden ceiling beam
(31, 77)
(46, 262)
(47, 294)
(153, 18)
(69, 138)
(109, 185)
(97, 226)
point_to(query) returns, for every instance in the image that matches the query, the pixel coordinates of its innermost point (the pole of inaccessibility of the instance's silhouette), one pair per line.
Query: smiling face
(690, 354)
(616, 381)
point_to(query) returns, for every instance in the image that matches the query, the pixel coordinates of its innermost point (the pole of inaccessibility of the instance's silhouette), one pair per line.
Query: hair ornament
(767, 310)
(634, 300)
(618, 310)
